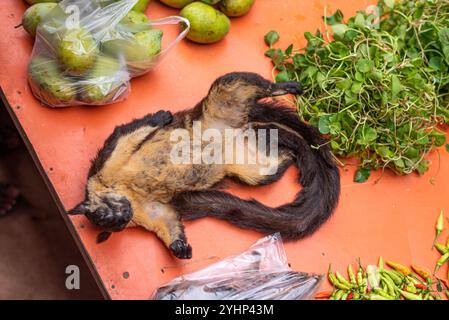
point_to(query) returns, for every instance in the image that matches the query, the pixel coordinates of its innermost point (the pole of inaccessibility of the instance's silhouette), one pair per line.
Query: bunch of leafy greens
(379, 88)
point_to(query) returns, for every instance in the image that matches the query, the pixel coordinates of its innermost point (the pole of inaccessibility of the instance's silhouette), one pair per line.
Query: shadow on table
(35, 245)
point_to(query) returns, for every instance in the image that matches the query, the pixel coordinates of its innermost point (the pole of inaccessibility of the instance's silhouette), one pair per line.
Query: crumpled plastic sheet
(260, 273)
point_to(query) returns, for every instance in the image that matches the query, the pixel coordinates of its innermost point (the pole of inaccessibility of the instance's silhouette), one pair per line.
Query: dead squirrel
(132, 181)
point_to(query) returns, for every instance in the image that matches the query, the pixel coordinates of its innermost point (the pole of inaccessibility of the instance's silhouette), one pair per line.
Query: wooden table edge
(55, 197)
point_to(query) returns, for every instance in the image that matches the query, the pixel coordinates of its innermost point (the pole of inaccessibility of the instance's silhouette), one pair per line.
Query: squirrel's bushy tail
(311, 207)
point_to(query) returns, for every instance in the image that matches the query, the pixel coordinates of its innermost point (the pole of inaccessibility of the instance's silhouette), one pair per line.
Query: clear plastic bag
(260, 273)
(86, 51)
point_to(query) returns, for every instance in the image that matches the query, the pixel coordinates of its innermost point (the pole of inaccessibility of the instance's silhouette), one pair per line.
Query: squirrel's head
(247, 85)
(110, 212)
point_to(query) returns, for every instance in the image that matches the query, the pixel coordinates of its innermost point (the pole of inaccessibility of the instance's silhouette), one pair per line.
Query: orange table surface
(394, 218)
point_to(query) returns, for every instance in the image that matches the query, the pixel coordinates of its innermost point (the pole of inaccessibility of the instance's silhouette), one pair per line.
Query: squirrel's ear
(81, 208)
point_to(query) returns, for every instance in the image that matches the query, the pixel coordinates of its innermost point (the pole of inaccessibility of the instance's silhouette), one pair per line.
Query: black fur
(312, 206)
(113, 216)
(103, 236)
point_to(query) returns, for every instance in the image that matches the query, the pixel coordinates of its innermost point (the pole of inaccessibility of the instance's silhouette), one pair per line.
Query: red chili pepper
(323, 295)
(350, 296)
(420, 286)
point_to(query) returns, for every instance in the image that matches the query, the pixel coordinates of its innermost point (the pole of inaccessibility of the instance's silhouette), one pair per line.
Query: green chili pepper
(351, 276)
(411, 288)
(413, 279)
(361, 278)
(333, 280)
(382, 293)
(441, 261)
(391, 287)
(344, 296)
(441, 248)
(376, 297)
(439, 227)
(410, 296)
(381, 263)
(397, 279)
(339, 294)
(342, 279)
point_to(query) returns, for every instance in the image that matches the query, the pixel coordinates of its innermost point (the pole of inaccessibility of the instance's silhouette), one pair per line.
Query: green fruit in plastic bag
(207, 25)
(235, 8)
(176, 3)
(51, 84)
(140, 52)
(105, 82)
(144, 45)
(77, 50)
(150, 41)
(134, 22)
(34, 15)
(141, 5)
(211, 2)
(31, 2)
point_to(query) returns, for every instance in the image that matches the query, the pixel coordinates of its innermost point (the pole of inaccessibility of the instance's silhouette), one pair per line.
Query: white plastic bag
(260, 273)
(86, 51)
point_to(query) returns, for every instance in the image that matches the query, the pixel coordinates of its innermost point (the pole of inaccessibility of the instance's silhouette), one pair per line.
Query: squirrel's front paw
(181, 249)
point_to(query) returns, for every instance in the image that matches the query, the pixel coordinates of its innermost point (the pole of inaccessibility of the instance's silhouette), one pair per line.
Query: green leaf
(389, 3)
(311, 71)
(359, 76)
(412, 153)
(277, 56)
(270, 52)
(356, 87)
(282, 77)
(320, 78)
(299, 61)
(384, 152)
(362, 175)
(289, 50)
(339, 30)
(436, 63)
(439, 138)
(375, 75)
(399, 163)
(364, 65)
(447, 147)
(323, 124)
(359, 20)
(422, 138)
(367, 135)
(422, 167)
(443, 36)
(344, 84)
(395, 86)
(271, 38)
(337, 17)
